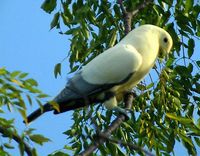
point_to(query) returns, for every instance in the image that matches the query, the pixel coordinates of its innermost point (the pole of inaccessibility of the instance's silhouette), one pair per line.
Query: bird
(107, 77)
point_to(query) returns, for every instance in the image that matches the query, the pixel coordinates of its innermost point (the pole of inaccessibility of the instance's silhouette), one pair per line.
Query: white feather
(112, 66)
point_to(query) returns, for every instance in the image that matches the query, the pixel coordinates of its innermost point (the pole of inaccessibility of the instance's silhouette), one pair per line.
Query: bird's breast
(133, 81)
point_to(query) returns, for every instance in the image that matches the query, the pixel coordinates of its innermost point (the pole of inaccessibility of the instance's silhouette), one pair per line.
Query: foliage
(15, 87)
(167, 108)
(15, 90)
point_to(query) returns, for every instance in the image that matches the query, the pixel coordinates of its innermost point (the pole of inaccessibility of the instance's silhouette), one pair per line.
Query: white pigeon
(113, 73)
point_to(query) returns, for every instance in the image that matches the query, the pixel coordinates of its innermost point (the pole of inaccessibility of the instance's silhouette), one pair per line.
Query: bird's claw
(125, 112)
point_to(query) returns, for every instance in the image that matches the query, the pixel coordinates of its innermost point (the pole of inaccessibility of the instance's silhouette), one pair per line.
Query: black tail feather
(47, 107)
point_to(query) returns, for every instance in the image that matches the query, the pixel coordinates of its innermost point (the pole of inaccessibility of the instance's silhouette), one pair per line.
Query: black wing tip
(33, 116)
(37, 113)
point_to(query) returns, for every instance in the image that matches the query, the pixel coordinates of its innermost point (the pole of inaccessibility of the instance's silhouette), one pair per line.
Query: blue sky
(26, 44)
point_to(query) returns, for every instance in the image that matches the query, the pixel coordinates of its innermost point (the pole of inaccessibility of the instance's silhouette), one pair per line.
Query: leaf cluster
(16, 89)
(167, 108)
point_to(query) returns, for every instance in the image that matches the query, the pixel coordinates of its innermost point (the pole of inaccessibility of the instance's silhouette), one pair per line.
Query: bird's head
(165, 42)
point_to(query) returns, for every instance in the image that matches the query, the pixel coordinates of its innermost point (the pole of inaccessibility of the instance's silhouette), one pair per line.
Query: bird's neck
(149, 48)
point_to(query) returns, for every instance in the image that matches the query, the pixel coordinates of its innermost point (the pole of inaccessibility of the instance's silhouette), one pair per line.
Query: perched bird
(111, 74)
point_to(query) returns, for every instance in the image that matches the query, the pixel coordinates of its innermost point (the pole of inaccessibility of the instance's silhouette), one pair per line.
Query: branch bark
(17, 139)
(128, 15)
(130, 145)
(141, 7)
(113, 126)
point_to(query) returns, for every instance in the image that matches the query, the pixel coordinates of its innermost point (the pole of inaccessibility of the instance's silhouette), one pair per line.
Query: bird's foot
(125, 112)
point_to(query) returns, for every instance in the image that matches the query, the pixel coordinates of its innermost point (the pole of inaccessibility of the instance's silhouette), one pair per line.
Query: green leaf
(112, 148)
(1, 110)
(34, 90)
(120, 151)
(2, 71)
(58, 153)
(29, 131)
(57, 70)
(67, 11)
(182, 70)
(23, 113)
(191, 45)
(150, 85)
(190, 110)
(49, 5)
(14, 74)
(32, 82)
(40, 104)
(188, 5)
(165, 75)
(29, 99)
(85, 32)
(9, 146)
(197, 141)
(54, 22)
(198, 63)
(42, 95)
(91, 17)
(23, 75)
(21, 149)
(117, 10)
(68, 147)
(74, 69)
(72, 31)
(16, 82)
(171, 142)
(34, 152)
(3, 152)
(39, 139)
(170, 61)
(196, 98)
(113, 38)
(185, 138)
(77, 146)
(65, 19)
(178, 118)
(103, 150)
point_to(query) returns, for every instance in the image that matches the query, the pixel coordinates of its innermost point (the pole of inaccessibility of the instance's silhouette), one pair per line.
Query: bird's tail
(45, 108)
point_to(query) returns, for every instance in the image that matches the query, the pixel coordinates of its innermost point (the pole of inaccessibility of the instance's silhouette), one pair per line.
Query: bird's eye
(165, 40)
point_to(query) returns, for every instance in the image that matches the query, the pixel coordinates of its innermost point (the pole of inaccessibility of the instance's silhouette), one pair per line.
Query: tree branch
(18, 139)
(132, 146)
(113, 126)
(141, 7)
(129, 15)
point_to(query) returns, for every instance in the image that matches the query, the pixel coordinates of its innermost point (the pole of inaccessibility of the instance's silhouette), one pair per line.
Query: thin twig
(141, 7)
(18, 139)
(130, 145)
(120, 2)
(113, 126)
(183, 49)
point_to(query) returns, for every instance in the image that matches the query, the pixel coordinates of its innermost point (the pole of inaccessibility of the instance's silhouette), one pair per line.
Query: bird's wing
(113, 67)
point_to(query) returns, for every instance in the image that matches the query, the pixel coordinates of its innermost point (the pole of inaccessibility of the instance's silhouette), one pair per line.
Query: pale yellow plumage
(136, 54)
